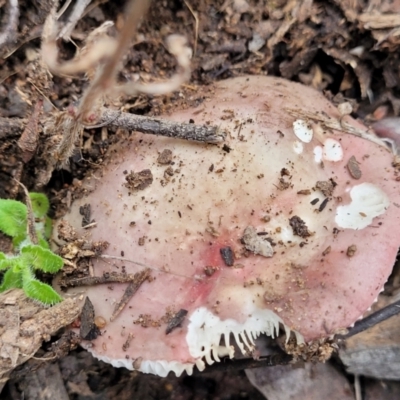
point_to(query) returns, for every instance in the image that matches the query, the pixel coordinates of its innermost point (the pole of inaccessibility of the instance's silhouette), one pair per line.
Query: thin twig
(99, 280)
(132, 288)
(106, 78)
(178, 130)
(357, 387)
(196, 26)
(73, 18)
(12, 23)
(373, 319)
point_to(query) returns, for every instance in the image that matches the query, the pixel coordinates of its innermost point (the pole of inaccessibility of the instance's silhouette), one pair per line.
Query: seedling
(30, 227)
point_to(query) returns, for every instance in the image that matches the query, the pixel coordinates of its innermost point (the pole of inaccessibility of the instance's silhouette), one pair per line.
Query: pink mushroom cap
(306, 266)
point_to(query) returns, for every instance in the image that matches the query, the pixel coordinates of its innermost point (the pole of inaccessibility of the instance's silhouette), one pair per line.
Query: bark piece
(24, 324)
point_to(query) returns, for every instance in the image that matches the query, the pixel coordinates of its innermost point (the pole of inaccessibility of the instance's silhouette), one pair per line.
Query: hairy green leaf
(41, 258)
(39, 291)
(19, 239)
(11, 279)
(43, 242)
(48, 227)
(13, 217)
(8, 262)
(40, 204)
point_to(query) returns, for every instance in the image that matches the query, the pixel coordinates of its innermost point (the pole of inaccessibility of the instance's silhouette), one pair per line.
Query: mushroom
(268, 231)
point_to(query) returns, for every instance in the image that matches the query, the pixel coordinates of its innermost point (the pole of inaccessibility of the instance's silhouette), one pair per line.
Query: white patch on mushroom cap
(333, 150)
(298, 147)
(367, 202)
(317, 154)
(205, 331)
(303, 131)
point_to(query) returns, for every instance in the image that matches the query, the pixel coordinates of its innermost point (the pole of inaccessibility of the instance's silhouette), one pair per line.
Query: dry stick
(12, 23)
(178, 130)
(132, 288)
(99, 280)
(106, 79)
(373, 319)
(73, 18)
(196, 26)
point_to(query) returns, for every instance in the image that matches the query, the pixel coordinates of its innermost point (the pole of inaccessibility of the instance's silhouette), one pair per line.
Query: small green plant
(30, 227)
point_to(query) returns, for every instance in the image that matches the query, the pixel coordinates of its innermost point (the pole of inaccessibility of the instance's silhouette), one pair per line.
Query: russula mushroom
(271, 229)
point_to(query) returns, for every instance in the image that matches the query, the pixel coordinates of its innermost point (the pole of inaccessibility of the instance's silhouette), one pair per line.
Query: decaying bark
(25, 324)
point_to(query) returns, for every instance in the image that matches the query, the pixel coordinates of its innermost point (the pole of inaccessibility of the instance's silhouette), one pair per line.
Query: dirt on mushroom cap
(186, 222)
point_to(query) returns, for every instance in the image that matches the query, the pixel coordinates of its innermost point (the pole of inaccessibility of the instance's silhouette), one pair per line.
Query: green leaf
(40, 204)
(43, 259)
(8, 262)
(43, 242)
(38, 290)
(11, 279)
(48, 227)
(17, 240)
(13, 220)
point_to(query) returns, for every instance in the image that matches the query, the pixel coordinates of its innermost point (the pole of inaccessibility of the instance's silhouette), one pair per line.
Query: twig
(373, 319)
(99, 280)
(357, 387)
(12, 23)
(73, 18)
(196, 26)
(132, 288)
(178, 130)
(106, 78)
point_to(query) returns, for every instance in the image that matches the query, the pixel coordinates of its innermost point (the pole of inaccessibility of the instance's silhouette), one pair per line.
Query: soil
(346, 48)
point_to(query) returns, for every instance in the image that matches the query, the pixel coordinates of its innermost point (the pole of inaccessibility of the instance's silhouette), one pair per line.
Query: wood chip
(88, 329)
(354, 168)
(176, 321)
